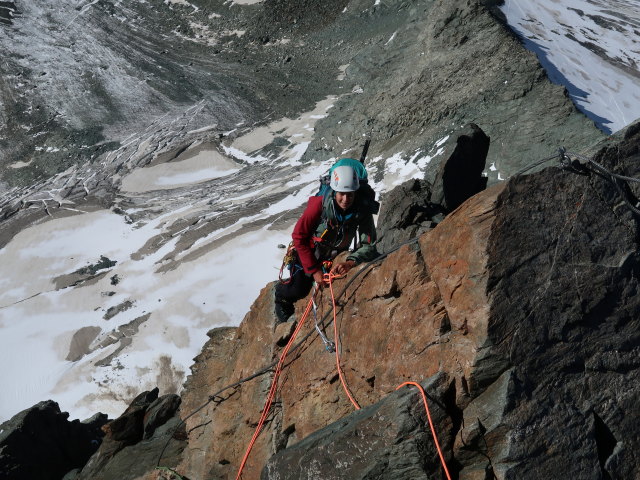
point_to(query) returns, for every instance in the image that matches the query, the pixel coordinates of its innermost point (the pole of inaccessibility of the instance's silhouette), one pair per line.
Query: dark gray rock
(135, 460)
(159, 412)
(388, 440)
(565, 277)
(460, 174)
(149, 431)
(125, 430)
(405, 213)
(41, 443)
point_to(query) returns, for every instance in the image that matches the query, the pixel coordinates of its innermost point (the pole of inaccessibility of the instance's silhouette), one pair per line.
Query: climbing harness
(289, 262)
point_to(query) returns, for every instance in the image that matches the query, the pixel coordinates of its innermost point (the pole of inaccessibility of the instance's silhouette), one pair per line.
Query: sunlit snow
(591, 47)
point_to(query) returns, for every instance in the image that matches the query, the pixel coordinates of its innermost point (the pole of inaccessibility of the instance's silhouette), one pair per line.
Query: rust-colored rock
(418, 312)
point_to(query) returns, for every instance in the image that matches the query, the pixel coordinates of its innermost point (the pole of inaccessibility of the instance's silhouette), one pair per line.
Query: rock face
(40, 443)
(517, 313)
(418, 205)
(146, 433)
(523, 298)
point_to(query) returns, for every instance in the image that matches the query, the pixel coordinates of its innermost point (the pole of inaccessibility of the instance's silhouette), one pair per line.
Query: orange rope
(433, 430)
(329, 277)
(274, 388)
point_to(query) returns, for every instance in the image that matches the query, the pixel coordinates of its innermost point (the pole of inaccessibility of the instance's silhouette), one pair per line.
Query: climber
(327, 227)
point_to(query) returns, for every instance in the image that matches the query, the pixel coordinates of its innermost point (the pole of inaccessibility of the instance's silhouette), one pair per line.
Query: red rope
(274, 388)
(433, 430)
(329, 277)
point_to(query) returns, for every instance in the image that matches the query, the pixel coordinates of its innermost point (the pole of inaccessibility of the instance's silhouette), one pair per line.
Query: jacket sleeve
(367, 250)
(303, 234)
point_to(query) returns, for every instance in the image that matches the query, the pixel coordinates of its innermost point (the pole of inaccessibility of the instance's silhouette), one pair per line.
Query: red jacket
(303, 234)
(320, 218)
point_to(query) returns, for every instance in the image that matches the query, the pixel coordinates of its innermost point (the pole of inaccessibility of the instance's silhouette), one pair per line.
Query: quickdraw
(328, 344)
(326, 266)
(289, 263)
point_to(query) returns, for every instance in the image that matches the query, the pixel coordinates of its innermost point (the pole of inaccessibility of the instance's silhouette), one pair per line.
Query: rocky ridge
(517, 311)
(522, 299)
(517, 315)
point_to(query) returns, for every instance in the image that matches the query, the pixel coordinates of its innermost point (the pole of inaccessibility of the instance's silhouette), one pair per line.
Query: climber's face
(344, 200)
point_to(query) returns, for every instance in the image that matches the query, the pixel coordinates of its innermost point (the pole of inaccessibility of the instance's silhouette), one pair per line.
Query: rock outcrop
(150, 429)
(419, 204)
(40, 443)
(517, 313)
(523, 298)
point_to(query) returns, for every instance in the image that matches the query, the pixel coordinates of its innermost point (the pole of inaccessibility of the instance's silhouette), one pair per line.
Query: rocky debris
(85, 275)
(8, 10)
(135, 442)
(389, 439)
(41, 443)
(446, 64)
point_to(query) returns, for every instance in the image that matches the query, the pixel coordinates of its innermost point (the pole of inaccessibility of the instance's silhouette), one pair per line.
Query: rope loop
(433, 430)
(329, 278)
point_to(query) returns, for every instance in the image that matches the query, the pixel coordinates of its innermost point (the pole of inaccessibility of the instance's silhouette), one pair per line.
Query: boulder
(148, 432)
(405, 213)
(460, 175)
(40, 443)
